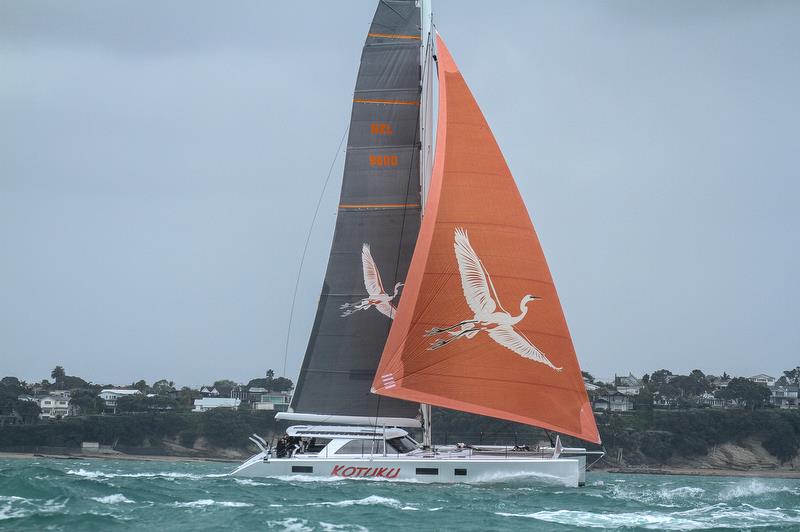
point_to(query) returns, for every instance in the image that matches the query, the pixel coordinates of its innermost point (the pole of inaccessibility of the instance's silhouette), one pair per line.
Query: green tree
(270, 374)
(751, 394)
(10, 382)
(587, 376)
(28, 411)
(86, 402)
(58, 375)
(163, 387)
(224, 387)
(660, 377)
(140, 385)
(793, 375)
(281, 384)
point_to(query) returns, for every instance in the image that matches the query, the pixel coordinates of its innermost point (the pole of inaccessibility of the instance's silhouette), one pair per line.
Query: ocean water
(51, 494)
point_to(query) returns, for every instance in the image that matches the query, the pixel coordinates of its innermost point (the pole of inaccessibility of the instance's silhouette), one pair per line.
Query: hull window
(461, 472)
(427, 471)
(302, 469)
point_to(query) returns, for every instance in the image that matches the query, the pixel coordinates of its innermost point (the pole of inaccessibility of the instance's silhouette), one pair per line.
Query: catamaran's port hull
(562, 471)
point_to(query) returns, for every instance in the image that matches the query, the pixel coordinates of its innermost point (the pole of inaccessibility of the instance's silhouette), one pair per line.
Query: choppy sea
(51, 494)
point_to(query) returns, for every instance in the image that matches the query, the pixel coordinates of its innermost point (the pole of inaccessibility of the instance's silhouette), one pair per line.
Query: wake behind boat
(444, 224)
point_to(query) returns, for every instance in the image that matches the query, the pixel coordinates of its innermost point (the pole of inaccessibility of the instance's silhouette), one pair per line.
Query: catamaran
(432, 239)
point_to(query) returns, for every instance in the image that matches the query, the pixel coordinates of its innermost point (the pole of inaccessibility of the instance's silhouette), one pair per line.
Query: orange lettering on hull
(364, 472)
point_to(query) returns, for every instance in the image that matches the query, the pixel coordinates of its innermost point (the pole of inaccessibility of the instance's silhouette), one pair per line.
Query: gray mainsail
(376, 227)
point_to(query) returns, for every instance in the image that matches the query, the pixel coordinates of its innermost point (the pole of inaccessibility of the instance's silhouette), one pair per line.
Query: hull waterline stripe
(387, 102)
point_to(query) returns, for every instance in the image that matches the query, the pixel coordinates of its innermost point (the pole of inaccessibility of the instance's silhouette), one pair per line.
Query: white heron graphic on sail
(490, 316)
(377, 297)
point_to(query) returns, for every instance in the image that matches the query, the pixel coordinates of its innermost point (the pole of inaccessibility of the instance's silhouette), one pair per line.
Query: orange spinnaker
(481, 371)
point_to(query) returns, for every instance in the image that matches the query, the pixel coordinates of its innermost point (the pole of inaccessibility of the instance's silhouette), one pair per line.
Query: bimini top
(334, 431)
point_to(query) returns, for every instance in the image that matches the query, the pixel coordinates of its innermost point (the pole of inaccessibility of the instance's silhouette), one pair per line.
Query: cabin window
(461, 472)
(362, 446)
(316, 445)
(427, 471)
(403, 444)
(302, 469)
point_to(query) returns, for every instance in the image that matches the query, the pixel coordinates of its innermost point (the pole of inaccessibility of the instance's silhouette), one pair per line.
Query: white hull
(567, 471)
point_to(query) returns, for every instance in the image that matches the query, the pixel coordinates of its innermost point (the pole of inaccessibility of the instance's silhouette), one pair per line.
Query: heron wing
(387, 309)
(473, 278)
(512, 339)
(372, 279)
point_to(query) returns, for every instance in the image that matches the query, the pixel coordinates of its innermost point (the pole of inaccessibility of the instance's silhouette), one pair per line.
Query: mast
(480, 328)
(376, 229)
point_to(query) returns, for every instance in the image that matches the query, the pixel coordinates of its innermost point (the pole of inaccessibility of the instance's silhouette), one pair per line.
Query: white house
(267, 400)
(209, 391)
(111, 395)
(785, 396)
(207, 403)
(613, 402)
(763, 378)
(629, 385)
(53, 406)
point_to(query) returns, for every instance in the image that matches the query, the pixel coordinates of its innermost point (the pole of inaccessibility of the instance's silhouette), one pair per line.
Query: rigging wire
(305, 246)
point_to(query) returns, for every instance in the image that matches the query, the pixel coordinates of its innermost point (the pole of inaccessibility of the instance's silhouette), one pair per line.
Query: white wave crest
(291, 524)
(716, 516)
(211, 502)
(331, 527)
(159, 474)
(17, 507)
(248, 482)
(668, 497)
(754, 488)
(116, 498)
(372, 500)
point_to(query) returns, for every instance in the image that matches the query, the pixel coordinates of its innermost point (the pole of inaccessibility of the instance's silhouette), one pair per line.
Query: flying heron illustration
(483, 301)
(377, 297)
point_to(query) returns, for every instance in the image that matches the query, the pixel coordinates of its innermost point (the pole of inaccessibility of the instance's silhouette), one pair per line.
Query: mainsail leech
(503, 366)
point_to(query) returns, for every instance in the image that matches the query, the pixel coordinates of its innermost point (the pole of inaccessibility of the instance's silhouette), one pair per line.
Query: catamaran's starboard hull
(561, 471)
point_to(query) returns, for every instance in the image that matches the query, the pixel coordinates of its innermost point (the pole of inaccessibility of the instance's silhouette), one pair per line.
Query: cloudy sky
(160, 164)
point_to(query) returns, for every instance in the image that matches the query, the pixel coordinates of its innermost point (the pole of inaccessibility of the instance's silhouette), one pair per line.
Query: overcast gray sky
(160, 164)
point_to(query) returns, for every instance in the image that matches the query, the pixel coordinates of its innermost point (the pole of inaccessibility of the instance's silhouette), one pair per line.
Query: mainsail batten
(480, 328)
(376, 226)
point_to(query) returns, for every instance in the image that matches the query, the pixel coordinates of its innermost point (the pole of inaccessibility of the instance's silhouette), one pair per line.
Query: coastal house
(662, 401)
(111, 395)
(208, 403)
(209, 391)
(53, 407)
(267, 400)
(763, 378)
(718, 383)
(710, 400)
(628, 385)
(613, 402)
(784, 396)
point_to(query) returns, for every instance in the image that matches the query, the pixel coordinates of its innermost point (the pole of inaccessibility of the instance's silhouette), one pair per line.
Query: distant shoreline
(702, 472)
